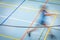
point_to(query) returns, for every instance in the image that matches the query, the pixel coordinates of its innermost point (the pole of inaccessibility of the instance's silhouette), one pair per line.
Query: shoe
(53, 36)
(29, 34)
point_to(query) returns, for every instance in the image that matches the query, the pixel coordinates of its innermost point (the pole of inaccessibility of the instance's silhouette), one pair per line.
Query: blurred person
(43, 22)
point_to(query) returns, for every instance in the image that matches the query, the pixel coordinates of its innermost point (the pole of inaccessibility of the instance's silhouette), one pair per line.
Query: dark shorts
(42, 22)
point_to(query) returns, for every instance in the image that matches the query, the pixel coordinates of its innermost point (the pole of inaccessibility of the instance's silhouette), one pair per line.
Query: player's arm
(48, 14)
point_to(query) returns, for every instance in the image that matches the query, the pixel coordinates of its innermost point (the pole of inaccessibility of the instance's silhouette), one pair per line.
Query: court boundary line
(10, 37)
(7, 4)
(45, 37)
(27, 8)
(17, 19)
(13, 11)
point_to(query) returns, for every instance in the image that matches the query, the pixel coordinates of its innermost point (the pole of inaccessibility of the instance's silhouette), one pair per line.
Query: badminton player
(44, 14)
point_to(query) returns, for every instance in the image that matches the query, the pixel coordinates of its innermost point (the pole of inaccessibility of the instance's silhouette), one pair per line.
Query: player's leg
(52, 36)
(29, 32)
(45, 25)
(39, 23)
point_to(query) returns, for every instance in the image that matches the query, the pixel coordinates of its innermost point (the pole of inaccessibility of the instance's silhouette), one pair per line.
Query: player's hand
(54, 14)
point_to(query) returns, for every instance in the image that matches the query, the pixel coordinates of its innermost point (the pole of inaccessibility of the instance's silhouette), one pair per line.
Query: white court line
(28, 7)
(7, 4)
(17, 19)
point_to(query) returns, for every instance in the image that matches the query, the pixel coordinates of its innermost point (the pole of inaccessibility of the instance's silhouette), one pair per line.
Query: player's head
(44, 7)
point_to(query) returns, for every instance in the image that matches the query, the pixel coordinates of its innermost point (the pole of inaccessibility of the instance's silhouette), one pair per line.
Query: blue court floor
(22, 13)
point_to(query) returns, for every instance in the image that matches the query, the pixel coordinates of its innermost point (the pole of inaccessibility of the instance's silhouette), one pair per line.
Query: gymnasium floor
(22, 13)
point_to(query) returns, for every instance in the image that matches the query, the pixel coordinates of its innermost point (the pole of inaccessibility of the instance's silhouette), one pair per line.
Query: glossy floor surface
(22, 13)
